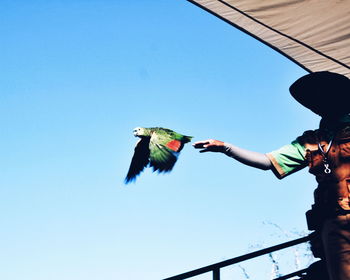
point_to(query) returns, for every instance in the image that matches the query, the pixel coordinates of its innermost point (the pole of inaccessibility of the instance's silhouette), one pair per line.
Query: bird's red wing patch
(174, 145)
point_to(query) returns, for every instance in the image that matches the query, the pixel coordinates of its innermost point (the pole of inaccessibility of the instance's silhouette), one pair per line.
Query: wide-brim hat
(325, 93)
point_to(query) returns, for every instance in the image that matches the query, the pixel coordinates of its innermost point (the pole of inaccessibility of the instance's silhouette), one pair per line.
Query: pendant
(327, 170)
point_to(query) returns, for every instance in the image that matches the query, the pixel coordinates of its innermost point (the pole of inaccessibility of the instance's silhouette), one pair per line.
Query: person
(326, 151)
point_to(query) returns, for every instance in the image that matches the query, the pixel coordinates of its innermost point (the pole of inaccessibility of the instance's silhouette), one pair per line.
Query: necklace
(327, 170)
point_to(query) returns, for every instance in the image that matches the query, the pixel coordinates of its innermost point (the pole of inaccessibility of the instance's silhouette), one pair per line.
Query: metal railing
(215, 268)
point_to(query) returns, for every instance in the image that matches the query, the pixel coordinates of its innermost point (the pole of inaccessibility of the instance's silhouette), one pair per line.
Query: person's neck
(335, 122)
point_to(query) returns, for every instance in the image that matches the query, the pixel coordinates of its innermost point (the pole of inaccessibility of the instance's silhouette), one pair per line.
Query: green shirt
(288, 159)
(291, 158)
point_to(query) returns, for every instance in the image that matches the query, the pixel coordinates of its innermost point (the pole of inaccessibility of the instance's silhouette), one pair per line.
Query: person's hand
(209, 145)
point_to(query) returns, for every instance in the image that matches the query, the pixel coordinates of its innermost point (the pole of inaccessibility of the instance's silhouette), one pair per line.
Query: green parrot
(158, 147)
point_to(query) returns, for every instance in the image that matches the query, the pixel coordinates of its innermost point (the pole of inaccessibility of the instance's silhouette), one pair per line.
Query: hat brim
(325, 93)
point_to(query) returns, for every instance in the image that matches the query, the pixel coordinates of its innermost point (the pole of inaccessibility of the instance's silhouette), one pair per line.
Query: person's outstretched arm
(254, 159)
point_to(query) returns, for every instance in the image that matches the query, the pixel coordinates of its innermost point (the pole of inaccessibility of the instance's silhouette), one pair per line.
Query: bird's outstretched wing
(162, 155)
(139, 160)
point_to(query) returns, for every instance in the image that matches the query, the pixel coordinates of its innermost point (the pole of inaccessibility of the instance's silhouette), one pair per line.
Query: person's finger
(210, 145)
(200, 144)
(212, 148)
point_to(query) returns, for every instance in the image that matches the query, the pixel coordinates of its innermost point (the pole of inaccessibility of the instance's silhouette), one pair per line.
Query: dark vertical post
(216, 274)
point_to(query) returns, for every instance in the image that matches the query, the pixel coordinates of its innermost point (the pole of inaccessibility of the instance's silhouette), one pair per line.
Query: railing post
(216, 274)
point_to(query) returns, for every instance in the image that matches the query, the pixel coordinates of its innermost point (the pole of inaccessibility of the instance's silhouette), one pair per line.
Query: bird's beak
(135, 133)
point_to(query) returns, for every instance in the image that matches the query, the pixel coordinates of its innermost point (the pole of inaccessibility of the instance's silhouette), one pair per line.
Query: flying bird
(158, 148)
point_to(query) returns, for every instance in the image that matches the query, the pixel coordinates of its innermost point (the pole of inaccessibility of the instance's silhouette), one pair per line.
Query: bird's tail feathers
(187, 139)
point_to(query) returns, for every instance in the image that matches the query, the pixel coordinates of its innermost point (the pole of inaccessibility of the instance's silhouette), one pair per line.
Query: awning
(315, 34)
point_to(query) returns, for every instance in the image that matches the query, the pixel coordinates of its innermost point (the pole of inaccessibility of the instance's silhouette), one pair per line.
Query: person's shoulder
(309, 137)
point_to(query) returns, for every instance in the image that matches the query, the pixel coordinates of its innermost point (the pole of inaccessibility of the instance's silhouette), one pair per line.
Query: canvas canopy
(315, 34)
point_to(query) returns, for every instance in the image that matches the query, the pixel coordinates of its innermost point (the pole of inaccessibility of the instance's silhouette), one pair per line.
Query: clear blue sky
(75, 78)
